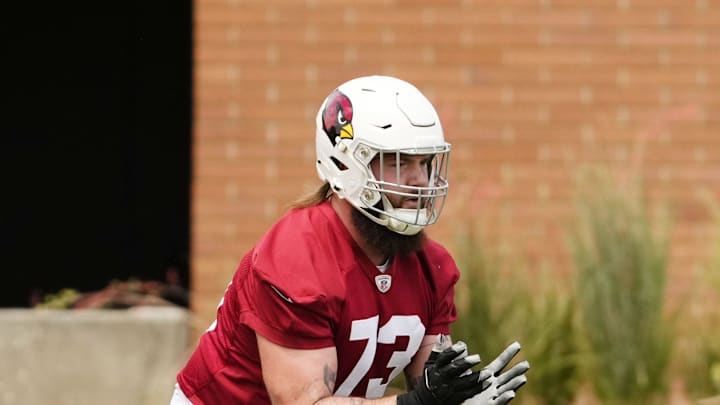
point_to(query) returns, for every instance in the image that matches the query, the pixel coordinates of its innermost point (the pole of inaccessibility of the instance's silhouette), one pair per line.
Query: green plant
(698, 354)
(63, 299)
(620, 258)
(500, 302)
(551, 342)
(713, 343)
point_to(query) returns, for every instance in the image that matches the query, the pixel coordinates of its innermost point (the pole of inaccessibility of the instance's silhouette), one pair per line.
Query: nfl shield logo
(383, 282)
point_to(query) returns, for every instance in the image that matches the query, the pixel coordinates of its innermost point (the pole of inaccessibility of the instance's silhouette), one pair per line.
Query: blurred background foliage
(620, 254)
(501, 301)
(699, 332)
(606, 330)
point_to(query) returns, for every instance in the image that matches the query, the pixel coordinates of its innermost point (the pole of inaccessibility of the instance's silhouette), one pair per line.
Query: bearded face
(385, 241)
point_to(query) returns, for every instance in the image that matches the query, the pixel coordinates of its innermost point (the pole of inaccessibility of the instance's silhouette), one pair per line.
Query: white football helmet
(371, 117)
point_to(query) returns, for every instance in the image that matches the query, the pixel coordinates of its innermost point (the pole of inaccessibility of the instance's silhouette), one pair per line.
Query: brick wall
(527, 90)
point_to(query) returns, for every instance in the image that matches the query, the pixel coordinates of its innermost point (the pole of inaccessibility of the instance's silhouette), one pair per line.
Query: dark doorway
(96, 146)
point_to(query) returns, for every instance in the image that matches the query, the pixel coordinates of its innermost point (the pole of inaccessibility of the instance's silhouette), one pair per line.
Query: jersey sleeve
(281, 316)
(289, 295)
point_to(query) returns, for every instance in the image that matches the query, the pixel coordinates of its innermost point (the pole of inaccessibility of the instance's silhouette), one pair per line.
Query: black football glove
(447, 378)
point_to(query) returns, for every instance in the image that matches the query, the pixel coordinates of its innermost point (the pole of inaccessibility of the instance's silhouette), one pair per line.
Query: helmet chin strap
(404, 226)
(404, 221)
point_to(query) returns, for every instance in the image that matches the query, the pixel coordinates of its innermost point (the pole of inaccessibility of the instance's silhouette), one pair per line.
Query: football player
(346, 291)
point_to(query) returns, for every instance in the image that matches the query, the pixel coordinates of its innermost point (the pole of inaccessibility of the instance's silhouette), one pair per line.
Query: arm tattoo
(329, 378)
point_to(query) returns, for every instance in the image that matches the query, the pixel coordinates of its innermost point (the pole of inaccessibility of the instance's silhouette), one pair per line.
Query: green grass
(620, 257)
(609, 328)
(698, 354)
(500, 301)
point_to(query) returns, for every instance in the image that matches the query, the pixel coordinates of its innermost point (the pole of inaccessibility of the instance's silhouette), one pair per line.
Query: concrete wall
(91, 356)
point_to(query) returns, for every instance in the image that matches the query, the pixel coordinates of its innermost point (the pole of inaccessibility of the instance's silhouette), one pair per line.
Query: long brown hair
(317, 197)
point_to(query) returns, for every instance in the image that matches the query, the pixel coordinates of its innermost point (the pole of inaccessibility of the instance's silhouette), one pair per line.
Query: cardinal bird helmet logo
(337, 117)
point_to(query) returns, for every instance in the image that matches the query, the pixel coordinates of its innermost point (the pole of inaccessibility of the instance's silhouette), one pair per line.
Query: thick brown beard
(385, 241)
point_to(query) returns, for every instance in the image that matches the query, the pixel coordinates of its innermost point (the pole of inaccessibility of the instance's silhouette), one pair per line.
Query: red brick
(528, 92)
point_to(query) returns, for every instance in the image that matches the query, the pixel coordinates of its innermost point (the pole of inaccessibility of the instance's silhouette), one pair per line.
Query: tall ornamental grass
(620, 257)
(698, 354)
(502, 301)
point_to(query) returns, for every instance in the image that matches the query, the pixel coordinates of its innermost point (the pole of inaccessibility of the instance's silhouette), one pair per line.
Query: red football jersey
(308, 285)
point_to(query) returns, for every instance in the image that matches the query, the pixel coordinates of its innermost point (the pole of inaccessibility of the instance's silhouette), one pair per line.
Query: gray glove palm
(501, 387)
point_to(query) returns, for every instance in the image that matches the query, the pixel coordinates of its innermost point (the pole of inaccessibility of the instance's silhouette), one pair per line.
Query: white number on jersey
(367, 329)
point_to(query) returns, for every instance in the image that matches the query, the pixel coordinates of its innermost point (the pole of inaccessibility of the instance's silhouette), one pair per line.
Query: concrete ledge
(91, 356)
